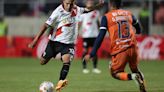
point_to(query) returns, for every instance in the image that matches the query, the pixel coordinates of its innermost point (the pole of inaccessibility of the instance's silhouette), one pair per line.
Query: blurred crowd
(159, 13)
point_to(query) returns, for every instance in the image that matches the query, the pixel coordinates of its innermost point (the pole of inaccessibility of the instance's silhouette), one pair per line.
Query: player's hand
(32, 44)
(87, 57)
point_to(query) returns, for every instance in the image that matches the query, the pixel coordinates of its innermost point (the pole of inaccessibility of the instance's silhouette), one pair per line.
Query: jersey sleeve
(136, 24)
(52, 18)
(99, 39)
(98, 15)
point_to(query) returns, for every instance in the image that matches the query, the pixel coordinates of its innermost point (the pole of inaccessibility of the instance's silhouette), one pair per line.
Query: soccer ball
(46, 86)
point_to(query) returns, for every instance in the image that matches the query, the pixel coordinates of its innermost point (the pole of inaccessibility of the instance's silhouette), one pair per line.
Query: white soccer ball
(46, 86)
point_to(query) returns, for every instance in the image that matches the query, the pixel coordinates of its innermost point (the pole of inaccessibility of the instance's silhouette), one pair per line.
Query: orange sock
(123, 76)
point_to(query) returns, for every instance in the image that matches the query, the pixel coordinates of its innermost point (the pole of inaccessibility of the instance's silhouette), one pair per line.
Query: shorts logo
(44, 54)
(49, 19)
(72, 51)
(85, 44)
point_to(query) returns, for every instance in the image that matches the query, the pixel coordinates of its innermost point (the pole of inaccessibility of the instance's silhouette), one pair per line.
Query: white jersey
(65, 24)
(90, 24)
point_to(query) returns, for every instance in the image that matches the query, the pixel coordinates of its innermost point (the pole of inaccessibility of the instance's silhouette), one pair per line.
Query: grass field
(25, 75)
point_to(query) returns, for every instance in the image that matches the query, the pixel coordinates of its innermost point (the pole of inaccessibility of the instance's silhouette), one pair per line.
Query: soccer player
(122, 27)
(90, 29)
(61, 40)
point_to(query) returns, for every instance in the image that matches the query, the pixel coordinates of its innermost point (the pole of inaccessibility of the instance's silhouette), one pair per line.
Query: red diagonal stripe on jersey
(74, 12)
(58, 32)
(94, 15)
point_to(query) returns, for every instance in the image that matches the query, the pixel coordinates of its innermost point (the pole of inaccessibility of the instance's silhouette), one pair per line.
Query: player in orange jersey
(122, 27)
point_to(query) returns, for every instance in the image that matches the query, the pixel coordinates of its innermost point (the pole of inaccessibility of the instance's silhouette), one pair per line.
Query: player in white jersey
(61, 39)
(90, 30)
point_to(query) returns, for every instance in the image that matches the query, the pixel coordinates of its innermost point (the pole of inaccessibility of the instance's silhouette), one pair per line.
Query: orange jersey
(121, 30)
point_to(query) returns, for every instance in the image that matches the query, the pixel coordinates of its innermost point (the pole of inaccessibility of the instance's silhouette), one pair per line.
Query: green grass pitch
(25, 75)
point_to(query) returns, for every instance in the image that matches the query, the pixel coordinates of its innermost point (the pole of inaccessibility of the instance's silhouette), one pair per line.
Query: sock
(95, 62)
(140, 73)
(133, 76)
(124, 76)
(84, 63)
(64, 71)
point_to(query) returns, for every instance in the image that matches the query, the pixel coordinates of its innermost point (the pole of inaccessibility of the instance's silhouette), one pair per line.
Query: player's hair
(63, 0)
(85, 1)
(116, 3)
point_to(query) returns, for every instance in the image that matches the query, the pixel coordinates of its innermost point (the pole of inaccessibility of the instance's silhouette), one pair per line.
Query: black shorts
(88, 42)
(53, 48)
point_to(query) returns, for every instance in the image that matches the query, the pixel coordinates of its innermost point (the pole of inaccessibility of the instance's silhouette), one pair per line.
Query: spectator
(3, 27)
(159, 15)
(4, 32)
(144, 19)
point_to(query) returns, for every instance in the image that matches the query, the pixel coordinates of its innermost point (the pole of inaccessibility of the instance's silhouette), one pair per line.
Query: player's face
(68, 4)
(89, 3)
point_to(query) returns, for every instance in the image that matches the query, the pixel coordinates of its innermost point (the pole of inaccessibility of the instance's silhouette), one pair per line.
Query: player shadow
(125, 91)
(111, 91)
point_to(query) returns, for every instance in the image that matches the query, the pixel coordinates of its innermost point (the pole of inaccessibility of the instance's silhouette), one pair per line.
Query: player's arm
(137, 25)
(99, 39)
(48, 23)
(37, 37)
(97, 6)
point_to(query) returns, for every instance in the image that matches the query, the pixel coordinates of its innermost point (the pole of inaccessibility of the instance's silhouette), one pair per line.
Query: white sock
(133, 76)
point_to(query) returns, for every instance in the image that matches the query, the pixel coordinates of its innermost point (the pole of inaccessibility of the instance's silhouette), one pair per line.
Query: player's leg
(47, 54)
(139, 78)
(85, 51)
(95, 63)
(133, 64)
(90, 44)
(118, 64)
(67, 57)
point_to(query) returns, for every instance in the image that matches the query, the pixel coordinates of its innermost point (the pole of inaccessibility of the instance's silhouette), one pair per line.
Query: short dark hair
(116, 3)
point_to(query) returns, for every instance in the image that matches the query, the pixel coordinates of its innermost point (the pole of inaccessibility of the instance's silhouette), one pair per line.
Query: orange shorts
(120, 60)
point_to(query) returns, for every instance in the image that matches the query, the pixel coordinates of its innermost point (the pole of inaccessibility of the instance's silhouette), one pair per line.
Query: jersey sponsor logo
(69, 20)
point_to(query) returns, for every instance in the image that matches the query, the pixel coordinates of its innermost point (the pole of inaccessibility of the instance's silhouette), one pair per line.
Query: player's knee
(114, 75)
(43, 61)
(84, 53)
(67, 58)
